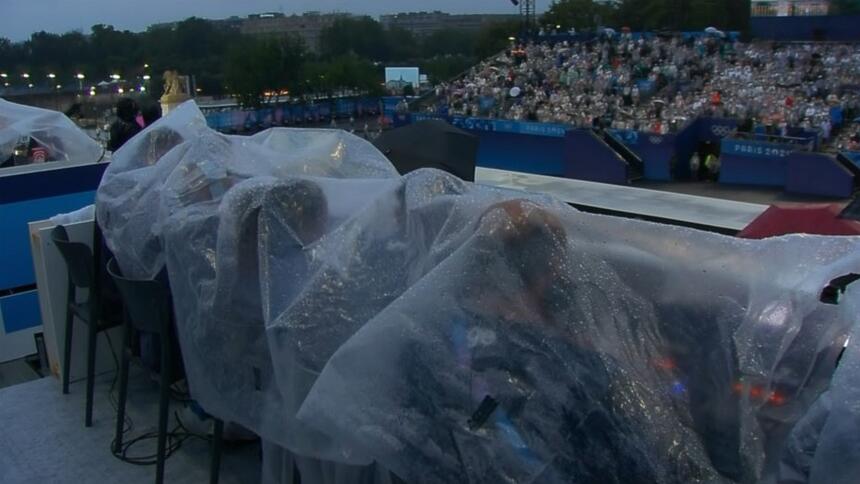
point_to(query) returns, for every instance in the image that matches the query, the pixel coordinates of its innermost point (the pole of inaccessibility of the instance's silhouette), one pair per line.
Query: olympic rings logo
(722, 131)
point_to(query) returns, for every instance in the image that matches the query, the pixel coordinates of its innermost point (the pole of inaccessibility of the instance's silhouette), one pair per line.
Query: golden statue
(174, 90)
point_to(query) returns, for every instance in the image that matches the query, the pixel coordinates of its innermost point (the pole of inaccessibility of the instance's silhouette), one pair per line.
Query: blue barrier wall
(550, 130)
(16, 259)
(238, 119)
(590, 158)
(524, 153)
(818, 174)
(24, 198)
(579, 154)
(558, 150)
(541, 148)
(20, 311)
(753, 162)
(831, 28)
(655, 150)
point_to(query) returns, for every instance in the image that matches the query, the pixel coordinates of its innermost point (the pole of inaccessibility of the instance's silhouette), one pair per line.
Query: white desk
(51, 280)
(689, 209)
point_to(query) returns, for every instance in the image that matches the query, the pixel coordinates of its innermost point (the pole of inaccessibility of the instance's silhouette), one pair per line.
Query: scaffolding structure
(527, 13)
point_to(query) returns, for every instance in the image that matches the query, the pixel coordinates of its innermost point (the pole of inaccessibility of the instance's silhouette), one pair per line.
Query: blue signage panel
(755, 148)
(428, 116)
(627, 136)
(754, 162)
(498, 125)
(514, 127)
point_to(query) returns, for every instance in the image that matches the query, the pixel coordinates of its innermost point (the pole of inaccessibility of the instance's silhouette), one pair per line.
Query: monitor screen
(790, 8)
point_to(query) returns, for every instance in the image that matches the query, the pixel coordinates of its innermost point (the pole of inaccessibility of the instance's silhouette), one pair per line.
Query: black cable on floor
(175, 437)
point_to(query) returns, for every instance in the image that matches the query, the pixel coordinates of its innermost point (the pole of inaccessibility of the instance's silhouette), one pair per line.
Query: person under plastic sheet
(293, 216)
(208, 237)
(205, 164)
(229, 363)
(341, 294)
(533, 242)
(226, 351)
(357, 270)
(40, 135)
(423, 239)
(752, 360)
(824, 445)
(519, 376)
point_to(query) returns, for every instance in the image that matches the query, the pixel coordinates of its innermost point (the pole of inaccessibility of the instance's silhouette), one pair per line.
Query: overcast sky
(20, 18)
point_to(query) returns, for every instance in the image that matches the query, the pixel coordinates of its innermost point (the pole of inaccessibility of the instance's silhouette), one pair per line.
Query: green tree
(257, 65)
(346, 72)
(352, 72)
(494, 38)
(448, 42)
(112, 50)
(363, 36)
(401, 45)
(580, 14)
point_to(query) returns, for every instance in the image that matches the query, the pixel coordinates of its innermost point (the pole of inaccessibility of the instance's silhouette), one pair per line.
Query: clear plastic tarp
(451, 332)
(55, 137)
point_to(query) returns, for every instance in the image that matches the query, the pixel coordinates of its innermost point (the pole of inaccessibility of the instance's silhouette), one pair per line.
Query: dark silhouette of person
(151, 113)
(125, 127)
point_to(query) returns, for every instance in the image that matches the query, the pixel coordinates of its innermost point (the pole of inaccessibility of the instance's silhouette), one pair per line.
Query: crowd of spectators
(658, 84)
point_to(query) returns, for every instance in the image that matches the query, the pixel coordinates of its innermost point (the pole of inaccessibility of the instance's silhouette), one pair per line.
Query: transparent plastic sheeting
(451, 332)
(52, 130)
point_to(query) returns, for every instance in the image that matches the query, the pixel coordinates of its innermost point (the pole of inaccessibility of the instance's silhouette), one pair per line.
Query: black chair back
(78, 258)
(147, 301)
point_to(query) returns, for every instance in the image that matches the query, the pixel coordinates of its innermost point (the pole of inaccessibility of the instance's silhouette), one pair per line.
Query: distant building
(425, 23)
(790, 8)
(233, 23)
(308, 26)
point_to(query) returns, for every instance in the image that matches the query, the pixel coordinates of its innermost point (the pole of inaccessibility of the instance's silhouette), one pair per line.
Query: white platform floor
(43, 439)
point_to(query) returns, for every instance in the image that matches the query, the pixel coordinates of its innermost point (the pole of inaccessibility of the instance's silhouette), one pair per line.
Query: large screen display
(790, 8)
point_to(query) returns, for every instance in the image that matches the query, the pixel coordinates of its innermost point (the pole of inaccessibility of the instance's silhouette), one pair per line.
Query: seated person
(221, 323)
(517, 359)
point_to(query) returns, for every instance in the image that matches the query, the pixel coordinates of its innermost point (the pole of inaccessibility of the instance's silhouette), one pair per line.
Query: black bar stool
(81, 269)
(149, 309)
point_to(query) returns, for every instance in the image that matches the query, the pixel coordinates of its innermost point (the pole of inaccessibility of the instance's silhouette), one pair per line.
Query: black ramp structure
(431, 144)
